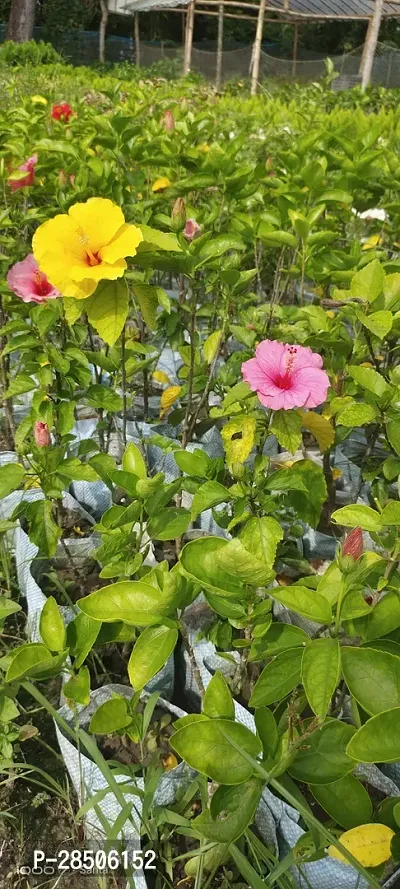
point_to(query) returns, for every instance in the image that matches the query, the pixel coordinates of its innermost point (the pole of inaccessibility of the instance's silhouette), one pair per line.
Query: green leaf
(279, 239)
(34, 659)
(261, 536)
(192, 462)
(51, 626)
(278, 638)
(320, 671)
(211, 345)
(161, 240)
(384, 618)
(218, 245)
(370, 379)
(169, 523)
(65, 417)
(356, 415)
(207, 496)
(133, 461)
(391, 513)
(7, 606)
(231, 811)
(358, 515)
(72, 309)
(372, 677)
(238, 562)
(147, 299)
(151, 651)
(205, 747)
(336, 195)
(308, 603)
(43, 530)
(286, 425)
(267, 730)
(324, 759)
(368, 282)
(379, 323)
(346, 801)
(19, 385)
(378, 740)
(77, 688)
(112, 716)
(199, 560)
(393, 434)
(102, 397)
(278, 678)
(8, 710)
(82, 633)
(217, 702)
(73, 468)
(11, 477)
(107, 309)
(133, 601)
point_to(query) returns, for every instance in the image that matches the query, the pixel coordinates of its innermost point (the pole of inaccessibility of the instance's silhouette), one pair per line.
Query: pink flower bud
(169, 121)
(353, 545)
(192, 229)
(41, 434)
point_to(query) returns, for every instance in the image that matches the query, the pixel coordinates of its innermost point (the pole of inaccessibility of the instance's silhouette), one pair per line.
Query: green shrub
(31, 53)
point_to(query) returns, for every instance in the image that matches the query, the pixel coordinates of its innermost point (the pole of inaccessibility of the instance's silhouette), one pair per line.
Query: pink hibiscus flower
(192, 229)
(27, 281)
(286, 377)
(22, 181)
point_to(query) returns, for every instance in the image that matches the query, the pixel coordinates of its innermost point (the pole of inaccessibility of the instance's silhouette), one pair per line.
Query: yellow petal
(369, 843)
(124, 243)
(99, 219)
(104, 270)
(78, 291)
(162, 182)
(39, 100)
(58, 238)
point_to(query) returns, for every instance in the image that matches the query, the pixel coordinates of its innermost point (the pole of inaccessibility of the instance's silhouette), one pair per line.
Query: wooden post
(220, 46)
(295, 48)
(370, 44)
(137, 40)
(187, 59)
(257, 49)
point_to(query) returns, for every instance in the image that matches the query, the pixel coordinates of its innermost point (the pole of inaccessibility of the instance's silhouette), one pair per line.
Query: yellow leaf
(336, 473)
(204, 147)
(238, 438)
(319, 427)
(162, 182)
(160, 377)
(167, 399)
(39, 100)
(369, 843)
(211, 346)
(169, 762)
(373, 241)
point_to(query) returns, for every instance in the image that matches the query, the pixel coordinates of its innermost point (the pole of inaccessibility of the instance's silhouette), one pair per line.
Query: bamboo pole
(295, 48)
(137, 39)
(371, 44)
(257, 49)
(220, 46)
(187, 60)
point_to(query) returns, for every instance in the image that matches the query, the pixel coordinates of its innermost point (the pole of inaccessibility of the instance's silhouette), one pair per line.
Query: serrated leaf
(107, 309)
(358, 515)
(238, 436)
(368, 282)
(356, 415)
(286, 425)
(379, 323)
(370, 379)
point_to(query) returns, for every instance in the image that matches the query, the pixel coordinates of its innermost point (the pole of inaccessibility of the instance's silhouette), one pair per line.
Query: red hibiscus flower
(63, 112)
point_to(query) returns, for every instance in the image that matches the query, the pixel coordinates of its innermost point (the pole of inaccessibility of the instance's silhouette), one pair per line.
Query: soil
(155, 749)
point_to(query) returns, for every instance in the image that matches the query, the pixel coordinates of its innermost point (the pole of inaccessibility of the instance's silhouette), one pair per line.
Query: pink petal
(253, 374)
(269, 354)
(317, 382)
(305, 357)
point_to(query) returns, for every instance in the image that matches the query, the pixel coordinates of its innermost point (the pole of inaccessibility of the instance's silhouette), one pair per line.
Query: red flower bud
(169, 121)
(353, 545)
(41, 434)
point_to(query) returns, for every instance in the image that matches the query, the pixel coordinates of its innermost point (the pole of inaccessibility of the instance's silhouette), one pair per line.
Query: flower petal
(269, 354)
(99, 219)
(124, 243)
(83, 271)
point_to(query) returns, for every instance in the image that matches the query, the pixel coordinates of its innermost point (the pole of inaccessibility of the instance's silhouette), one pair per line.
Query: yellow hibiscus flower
(78, 249)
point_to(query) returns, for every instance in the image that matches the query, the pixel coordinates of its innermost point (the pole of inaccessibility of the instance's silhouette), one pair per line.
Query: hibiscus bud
(169, 121)
(178, 215)
(41, 434)
(192, 229)
(62, 178)
(353, 545)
